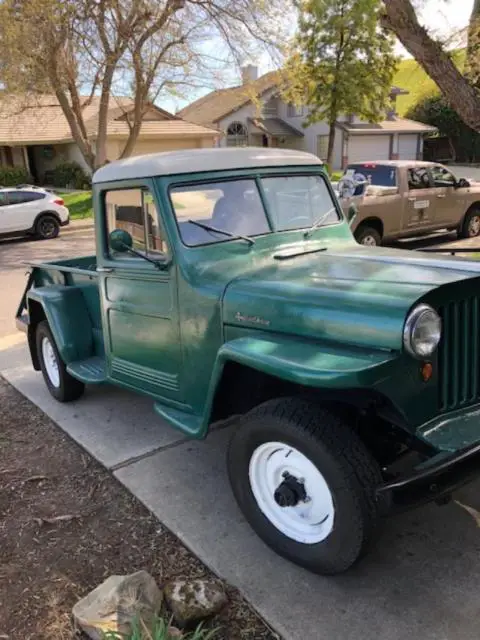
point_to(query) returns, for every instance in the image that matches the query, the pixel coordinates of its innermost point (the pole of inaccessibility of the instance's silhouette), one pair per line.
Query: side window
(134, 211)
(3, 199)
(418, 178)
(442, 177)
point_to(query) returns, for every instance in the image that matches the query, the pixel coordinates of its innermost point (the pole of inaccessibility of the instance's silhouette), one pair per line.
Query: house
(35, 135)
(236, 115)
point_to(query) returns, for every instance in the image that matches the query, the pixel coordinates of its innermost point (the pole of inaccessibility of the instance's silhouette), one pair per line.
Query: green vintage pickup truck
(227, 284)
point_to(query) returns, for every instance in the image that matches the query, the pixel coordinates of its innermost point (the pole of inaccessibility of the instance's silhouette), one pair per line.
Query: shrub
(11, 176)
(71, 175)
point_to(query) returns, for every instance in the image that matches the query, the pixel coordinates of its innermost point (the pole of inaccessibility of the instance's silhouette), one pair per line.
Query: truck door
(449, 202)
(139, 310)
(419, 201)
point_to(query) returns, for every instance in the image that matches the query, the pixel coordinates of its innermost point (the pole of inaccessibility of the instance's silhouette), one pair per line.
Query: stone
(114, 604)
(191, 601)
(173, 632)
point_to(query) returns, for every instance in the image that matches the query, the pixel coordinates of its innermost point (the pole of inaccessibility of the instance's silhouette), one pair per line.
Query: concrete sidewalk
(420, 582)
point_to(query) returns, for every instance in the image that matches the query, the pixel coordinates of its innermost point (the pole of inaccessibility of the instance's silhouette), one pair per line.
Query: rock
(173, 632)
(114, 604)
(193, 600)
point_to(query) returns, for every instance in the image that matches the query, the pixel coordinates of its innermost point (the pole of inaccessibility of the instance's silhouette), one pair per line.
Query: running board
(90, 371)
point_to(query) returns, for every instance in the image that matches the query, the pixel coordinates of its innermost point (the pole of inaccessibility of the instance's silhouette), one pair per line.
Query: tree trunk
(400, 18)
(101, 142)
(331, 144)
(472, 62)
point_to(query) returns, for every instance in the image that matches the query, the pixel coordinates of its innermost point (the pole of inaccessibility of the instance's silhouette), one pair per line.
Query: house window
(237, 135)
(294, 111)
(322, 147)
(9, 156)
(134, 211)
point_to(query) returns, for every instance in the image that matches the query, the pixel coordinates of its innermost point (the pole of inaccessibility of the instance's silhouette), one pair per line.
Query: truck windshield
(235, 206)
(376, 174)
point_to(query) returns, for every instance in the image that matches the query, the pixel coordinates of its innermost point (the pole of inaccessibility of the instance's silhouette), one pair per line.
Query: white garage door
(362, 148)
(407, 147)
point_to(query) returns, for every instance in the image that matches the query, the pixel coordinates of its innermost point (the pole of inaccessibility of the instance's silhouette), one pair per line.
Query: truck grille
(458, 354)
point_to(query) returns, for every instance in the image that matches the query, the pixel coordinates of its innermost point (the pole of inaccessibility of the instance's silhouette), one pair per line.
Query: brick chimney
(249, 73)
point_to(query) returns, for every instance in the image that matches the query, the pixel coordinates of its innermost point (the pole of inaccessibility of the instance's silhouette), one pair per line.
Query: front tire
(47, 227)
(62, 386)
(471, 224)
(305, 483)
(368, 236)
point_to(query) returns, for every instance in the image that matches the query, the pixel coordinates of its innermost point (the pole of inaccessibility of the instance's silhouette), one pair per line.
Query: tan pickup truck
(401, 199)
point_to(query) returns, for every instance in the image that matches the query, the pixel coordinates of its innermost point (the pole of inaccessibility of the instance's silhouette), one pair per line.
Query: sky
(445, 19)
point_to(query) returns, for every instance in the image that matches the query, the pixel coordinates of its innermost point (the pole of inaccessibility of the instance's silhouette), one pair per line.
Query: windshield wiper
(208, 227)
(318, 223)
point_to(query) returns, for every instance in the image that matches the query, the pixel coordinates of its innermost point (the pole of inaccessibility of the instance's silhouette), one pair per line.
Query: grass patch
(336, 175)
(411, 77)
(160, 630)
(79, 204)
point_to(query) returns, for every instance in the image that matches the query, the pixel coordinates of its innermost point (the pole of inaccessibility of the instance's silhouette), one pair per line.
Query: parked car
(227, 284)
(403, 199)
(29, 210)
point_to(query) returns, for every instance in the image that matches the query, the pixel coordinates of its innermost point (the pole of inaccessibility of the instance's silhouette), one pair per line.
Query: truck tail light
(59, 201)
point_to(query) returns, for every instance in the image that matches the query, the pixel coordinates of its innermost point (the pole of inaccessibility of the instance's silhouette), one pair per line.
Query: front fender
(67, 315)
(303, 363)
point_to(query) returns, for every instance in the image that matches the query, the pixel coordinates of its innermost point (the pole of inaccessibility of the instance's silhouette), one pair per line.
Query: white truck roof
(196, 160)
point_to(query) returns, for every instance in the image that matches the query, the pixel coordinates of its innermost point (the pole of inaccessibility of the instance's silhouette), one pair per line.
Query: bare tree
(460, 92)
(137, 48)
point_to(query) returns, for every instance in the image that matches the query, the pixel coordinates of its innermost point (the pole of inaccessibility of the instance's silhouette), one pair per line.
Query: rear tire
(368, 236)
(471, 224)
(62, 386)
(289, 450)
(47, 227)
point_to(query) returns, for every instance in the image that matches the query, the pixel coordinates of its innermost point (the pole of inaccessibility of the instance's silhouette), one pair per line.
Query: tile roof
(40, 119)
(218, 104)
(394, 125)
(275, 127)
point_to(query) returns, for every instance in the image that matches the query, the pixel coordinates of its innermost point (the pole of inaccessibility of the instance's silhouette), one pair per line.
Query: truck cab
(227, 284)
(399, 199)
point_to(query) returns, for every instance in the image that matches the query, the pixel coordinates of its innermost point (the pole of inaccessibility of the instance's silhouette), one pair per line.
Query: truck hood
(354, 295)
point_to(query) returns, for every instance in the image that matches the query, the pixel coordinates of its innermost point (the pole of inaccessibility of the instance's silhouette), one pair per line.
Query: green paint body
(330, 320)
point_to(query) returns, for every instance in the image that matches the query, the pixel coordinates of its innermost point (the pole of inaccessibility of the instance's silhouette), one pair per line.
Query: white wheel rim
(369, 241)
(310, 520)
(50, 362)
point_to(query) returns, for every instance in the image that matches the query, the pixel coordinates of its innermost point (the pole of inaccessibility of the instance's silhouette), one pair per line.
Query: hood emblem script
(254, 319)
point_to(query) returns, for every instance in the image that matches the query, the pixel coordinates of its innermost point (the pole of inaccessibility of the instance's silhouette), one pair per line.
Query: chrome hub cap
(50, 362)
(369, 241)
(291, 492)
(474, 226)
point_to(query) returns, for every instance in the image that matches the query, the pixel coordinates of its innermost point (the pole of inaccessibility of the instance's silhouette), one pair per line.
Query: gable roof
(39, 119)
(218, 104)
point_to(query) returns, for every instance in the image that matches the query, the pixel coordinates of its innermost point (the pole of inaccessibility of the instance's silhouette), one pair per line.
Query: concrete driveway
(421, 580)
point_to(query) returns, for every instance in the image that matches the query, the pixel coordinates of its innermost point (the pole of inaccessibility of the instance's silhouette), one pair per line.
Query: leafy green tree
(464, 143)
(342, 62)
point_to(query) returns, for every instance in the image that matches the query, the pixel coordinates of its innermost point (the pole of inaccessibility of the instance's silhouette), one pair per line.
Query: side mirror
(462, 183)
(351, 214)
(120, 240)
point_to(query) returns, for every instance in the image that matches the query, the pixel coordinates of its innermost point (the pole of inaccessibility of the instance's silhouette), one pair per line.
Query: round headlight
(422, 331)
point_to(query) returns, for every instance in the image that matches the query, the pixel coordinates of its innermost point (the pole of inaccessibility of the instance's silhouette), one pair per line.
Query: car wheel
(368, 236)
(471, 224)
(47, 227)
(305, 483)
(60, 383)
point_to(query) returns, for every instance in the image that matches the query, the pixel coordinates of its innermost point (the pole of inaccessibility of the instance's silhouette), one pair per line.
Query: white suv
(30, 210)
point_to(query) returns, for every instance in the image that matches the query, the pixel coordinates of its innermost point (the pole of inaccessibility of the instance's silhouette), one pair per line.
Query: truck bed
(79, 273)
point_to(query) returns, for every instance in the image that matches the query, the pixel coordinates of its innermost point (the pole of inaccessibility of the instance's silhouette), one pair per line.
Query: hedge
(11, 176)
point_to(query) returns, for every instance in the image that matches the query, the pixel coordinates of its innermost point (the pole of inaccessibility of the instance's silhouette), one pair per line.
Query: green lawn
(412, 77)
(79, 204)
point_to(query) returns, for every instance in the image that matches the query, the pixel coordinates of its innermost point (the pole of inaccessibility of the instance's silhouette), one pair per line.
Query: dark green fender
(322, 367)
(67, 315)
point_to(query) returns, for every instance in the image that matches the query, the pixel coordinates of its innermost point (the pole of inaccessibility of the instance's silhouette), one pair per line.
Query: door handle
(441, 195)
(104, 270)
(411, 199)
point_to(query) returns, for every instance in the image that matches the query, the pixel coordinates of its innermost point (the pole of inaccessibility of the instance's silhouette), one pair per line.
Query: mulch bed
(66, 524)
